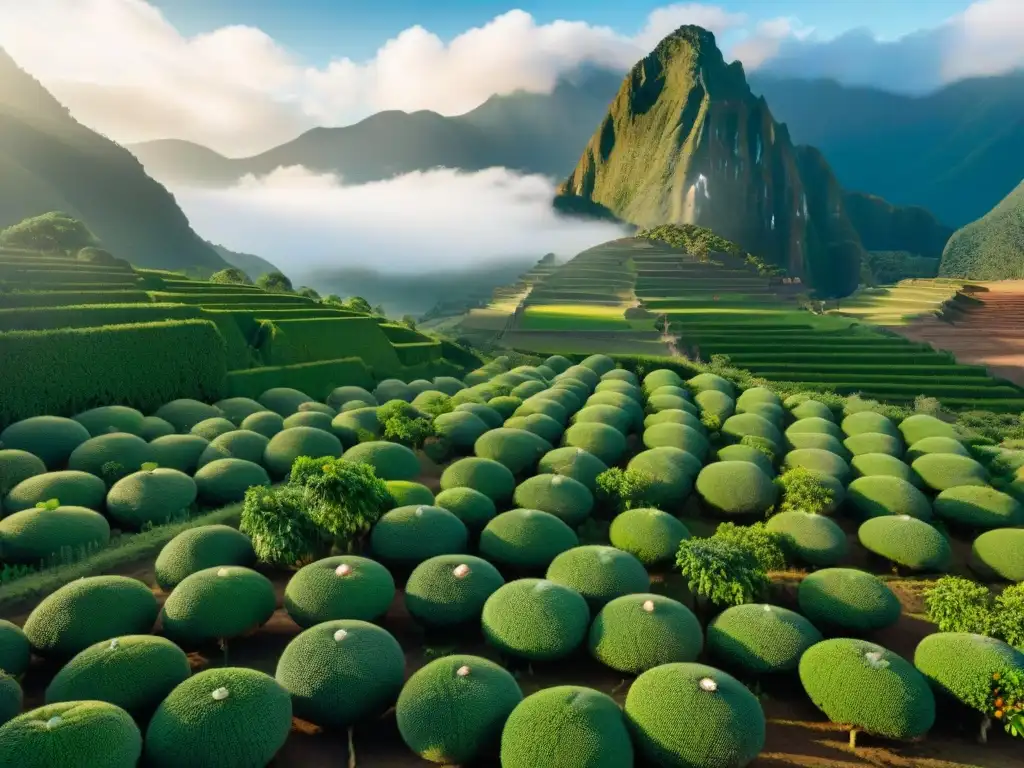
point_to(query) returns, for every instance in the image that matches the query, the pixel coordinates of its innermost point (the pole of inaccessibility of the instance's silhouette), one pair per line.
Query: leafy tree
(333, 299)
(53, 232)
(409, 322)
(956, 604)
(409, 432)
(624, 489)
(275, 282)
(282, 533)
(309, 293)
(802, 491)
(720, 572)
(98, 256)
(112, 471)
(230, 276)
(764, 545)
(765, 446)
(1009, 615)
(358, 304)
(379, 310)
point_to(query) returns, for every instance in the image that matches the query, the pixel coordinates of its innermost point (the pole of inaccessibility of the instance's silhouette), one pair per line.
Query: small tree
(53, 232)
(764, 545)
(358, 304)
(720, 572)
(801, 491)
(230, 276)
(410, 432)
(1009, 615)
(956, 604)
(624, 489)
(309, 293)
(275, 282)
(765, 446)
(333, 299)
(275, 520)
(98, 256)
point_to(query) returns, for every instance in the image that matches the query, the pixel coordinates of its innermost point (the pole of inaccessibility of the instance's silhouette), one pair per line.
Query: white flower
(556, 480)
(220, 694)
(462, 671)
(223, 572)
(343, 570)
(461, 571)
(419, 511)
(340, 635)
(904, 517)
(875, 660)
(709, 685)
(53, 722)
(114, 644)
(649, 606)
(767, 609)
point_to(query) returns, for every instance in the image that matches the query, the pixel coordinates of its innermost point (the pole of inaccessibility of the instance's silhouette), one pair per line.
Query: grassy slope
(991, 248)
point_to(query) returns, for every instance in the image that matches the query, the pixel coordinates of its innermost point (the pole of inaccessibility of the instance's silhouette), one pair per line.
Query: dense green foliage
(217, 604)
(847, 599)
(634, 633)
(962, 665)
(526, 539)
(720, 572)
(907, 542)
(339, 587)
(758, 638)
(409, 535)
(196, 549)
(989, 248)
(34, 536)
(808, 538)
(804, 490)
(599, 573)
(487, 476)
(450, 590)
(535, 619)
(650, 535)
(15, 650)
(955, 604)
(999, 554)
(878, 495)
(736, 488)
(71, 734)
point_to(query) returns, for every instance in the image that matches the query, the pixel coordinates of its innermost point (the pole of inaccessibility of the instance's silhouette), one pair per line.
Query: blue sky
(318, 30)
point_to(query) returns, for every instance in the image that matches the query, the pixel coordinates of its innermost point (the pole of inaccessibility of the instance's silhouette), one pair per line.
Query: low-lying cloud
(417, 223)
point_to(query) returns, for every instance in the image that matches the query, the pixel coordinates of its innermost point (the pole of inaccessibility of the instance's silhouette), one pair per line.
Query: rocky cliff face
(686, 142)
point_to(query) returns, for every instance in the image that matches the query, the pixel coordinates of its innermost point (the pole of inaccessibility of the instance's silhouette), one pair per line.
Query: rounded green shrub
(703, 382)
(225, 481)
(881, 464)
(605, 442)
(661, 377)
(211, 428)
(87, 611)
(773, 414)
(185, 413)
(485, 413)
(111, 418)
(927, 445)
(180, 452)
(565, 397)
(11, 697)
(341, 395)
(650, 535)
(349, 425)
(675, 416)
(528, 389)
(797, 441)
(452, 711)
(341, 672)
(517, 449)
(339, 587)
(634, 633)
(996, 554)
(239, 444)
(543, 426)
(668, 389)
(526, 539)
(869, 421)
(671, 472)
(218, 603)
(407, 493)
(154, 427)
(599, 364)
(669, 435)
(462, 428)
(544, 406)
(758, 395)
(659, 403)
(310, 419)
(16, 466)
(812, 539)
(817, 460)
(219, 715)
(749, 454)
(847, 599)
(410, 535)
(815, 426)
(487, 476)
(33, 536)
(390, 461)
(70, 488)
(238, 409)
(199, 548)
(758, 639)
(872, 443)
(505, 405)
(906, 541)
(581, 373)
(611, 415)
(716, 404)
(621, 374)
(599, 573)
(942, 471)
(921, 426)
(566, 726)
(561, 496)
(431, 401)
(878, 495)
(975, 506)
(736, 488)
(739, 426)
(288, 444)
(15, 650)
(558, 364)
(809, 409)
(621, 387)
(284, 401)
(130, 451)
(448, 385)
(572, 462)
(536, 619)
(631, 405)
(266, 423)
(133, 672)
(150, 497)
(72, 734)
(688, 715)
(960, 665)
(315, 407)
(450, 590)
(867, 687)
(51, 438)
(473, 508)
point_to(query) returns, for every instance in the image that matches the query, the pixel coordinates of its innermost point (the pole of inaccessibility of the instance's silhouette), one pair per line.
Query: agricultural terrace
(899, 304)
(74, 335)
(546, 565)
(721, 305)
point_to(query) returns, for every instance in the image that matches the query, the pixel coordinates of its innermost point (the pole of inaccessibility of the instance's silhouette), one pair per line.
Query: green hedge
(418, 353)
(92, 316)
(289, 342)
(143, 365)
(248, 318)
(230, 297)
(24, 299)
(401, 334)
(315, 379)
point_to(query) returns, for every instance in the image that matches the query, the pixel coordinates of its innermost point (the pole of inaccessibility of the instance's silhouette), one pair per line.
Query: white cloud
(416, 223)
(123, 69)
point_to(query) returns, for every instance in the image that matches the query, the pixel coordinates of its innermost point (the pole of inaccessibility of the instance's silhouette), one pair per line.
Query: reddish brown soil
(989, 332)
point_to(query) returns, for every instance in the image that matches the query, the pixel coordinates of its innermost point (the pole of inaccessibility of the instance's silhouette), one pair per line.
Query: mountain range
(50, 162)
(991, 248)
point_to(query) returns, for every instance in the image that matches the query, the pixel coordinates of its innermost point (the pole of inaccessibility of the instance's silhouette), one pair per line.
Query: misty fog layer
(439, 220)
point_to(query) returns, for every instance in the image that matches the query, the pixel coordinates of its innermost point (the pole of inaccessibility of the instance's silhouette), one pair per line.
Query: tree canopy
(275, 282)
(50, 232)
(232, 276)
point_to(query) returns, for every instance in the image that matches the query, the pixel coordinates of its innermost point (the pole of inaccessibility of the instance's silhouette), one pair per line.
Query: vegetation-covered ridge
(991, 248)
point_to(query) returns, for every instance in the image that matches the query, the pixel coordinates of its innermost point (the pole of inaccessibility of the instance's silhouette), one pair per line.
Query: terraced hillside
(899, 304)
(722, 306)
(74, 335)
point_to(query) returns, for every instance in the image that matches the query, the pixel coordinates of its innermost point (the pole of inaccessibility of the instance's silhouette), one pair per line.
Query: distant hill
(991, 248)
(955, 152)
(253, 266)
(49, 162)
(885, 227)
(686, 142)
(528, 132)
